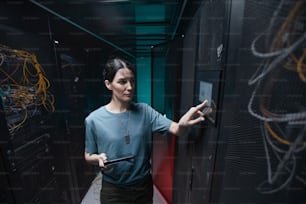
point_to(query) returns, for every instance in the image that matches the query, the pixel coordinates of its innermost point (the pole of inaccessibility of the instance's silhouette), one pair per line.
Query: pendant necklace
(127, 136)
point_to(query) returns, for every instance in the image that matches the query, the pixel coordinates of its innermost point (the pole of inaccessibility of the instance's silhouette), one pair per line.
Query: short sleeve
(90, 137)
(159, 123)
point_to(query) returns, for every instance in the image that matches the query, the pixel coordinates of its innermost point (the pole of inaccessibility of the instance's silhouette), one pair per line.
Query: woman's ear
(108, 85)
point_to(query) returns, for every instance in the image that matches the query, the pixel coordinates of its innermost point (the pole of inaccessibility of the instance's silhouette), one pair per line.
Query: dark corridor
(246, 57)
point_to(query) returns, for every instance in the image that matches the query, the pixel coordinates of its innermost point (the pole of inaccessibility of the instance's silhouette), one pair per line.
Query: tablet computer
(120, 159)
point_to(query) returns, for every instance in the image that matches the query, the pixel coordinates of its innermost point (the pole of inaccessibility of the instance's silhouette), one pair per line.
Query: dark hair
(113, 65)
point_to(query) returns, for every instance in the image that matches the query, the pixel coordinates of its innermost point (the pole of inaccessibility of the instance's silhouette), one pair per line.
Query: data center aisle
(92, 196)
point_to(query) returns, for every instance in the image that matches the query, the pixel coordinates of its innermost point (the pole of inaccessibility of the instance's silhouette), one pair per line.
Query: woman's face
(123, 85)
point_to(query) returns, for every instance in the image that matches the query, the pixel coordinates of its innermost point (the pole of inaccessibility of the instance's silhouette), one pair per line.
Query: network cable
(282, 53)
(24, 87)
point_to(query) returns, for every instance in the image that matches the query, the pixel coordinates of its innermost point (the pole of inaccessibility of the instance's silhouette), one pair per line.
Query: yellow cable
(42, 83)
(277, 44)
(289, 19)
(8, 76)
(278, 138)
(23, 121)
(299, 67)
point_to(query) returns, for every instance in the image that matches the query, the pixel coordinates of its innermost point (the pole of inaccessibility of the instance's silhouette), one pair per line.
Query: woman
(122, 128)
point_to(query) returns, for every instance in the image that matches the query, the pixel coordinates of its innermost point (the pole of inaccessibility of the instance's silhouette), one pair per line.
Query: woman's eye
(122, 82)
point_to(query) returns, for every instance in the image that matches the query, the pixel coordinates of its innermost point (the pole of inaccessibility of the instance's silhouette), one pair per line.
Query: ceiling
(130, 26)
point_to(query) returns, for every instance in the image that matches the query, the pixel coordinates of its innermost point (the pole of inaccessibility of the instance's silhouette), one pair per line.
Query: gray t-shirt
(121, 134)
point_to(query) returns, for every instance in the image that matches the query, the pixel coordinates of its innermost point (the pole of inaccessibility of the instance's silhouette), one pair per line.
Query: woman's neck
(117, 107)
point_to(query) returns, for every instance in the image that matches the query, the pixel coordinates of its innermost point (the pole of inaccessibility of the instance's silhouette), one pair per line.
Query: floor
(92, 196)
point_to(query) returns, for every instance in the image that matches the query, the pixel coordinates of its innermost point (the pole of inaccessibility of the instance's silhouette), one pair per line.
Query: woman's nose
(130, 85)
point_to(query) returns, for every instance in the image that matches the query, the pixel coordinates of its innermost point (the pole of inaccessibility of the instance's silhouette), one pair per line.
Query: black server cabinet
(263, 121)
(203, 64)
(33, 161)
(27, 128)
